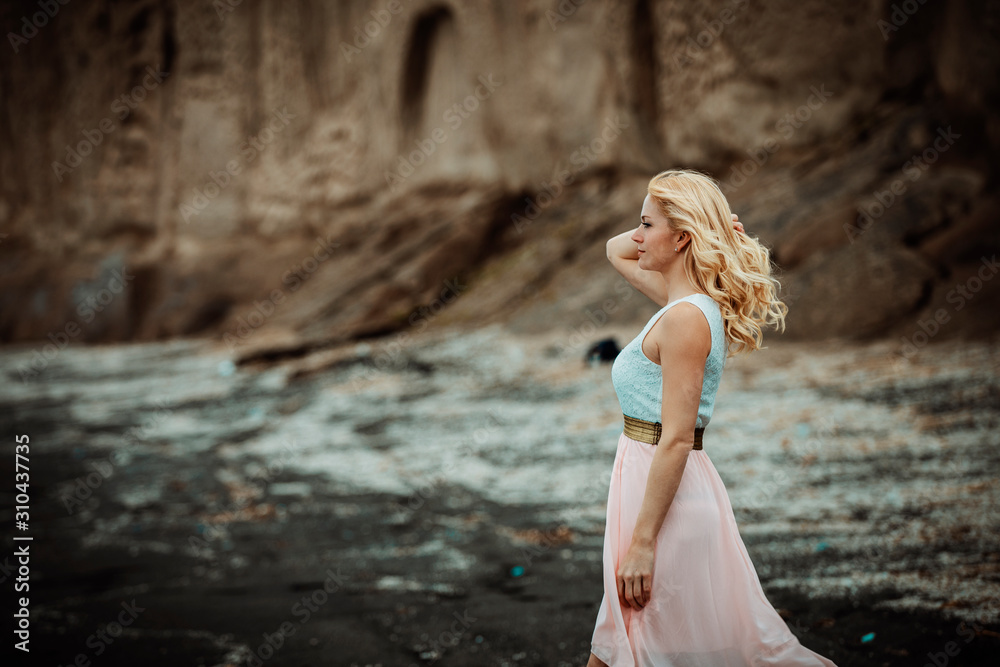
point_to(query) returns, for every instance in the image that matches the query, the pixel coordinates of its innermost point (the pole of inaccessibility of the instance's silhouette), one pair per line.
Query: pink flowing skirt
(707, 607)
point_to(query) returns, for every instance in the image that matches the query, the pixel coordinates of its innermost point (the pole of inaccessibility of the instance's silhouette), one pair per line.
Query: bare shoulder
(682, 333)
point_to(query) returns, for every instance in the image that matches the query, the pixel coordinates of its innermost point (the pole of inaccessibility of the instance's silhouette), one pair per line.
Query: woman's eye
(644, 224)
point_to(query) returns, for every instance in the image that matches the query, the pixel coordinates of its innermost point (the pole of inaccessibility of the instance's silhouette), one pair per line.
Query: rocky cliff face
(284, 173)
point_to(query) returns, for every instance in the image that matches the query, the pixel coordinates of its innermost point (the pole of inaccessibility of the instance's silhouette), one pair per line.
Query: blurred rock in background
(335, 169)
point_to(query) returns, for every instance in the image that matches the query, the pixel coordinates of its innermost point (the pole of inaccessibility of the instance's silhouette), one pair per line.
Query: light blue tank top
(639, 382)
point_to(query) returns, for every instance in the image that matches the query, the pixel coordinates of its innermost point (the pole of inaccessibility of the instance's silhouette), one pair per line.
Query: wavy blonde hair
(731, 267)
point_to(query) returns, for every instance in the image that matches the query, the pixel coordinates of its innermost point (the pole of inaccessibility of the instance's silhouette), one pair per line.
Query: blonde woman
(680, 589)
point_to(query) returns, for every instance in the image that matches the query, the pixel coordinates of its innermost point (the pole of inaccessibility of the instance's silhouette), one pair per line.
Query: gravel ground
(441, 499)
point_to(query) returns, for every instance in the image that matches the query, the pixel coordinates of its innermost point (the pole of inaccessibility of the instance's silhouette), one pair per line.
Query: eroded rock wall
(280, 171)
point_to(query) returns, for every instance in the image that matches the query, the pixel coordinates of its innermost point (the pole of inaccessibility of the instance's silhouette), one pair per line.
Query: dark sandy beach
(370, 508)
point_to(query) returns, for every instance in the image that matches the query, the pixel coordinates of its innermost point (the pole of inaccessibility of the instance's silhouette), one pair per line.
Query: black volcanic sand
(450, 576)
(204, 612)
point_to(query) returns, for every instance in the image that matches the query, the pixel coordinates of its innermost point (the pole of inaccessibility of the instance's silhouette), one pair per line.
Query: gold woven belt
(649, 432)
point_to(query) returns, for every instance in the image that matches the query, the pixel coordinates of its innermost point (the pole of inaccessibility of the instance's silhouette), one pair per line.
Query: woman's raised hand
(737, 225)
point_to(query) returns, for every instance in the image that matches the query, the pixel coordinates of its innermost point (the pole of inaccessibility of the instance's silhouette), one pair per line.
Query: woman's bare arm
(683, 340)
(624, 256)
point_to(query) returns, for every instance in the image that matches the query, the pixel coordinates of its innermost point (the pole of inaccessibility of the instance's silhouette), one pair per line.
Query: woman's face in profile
(654, 237)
